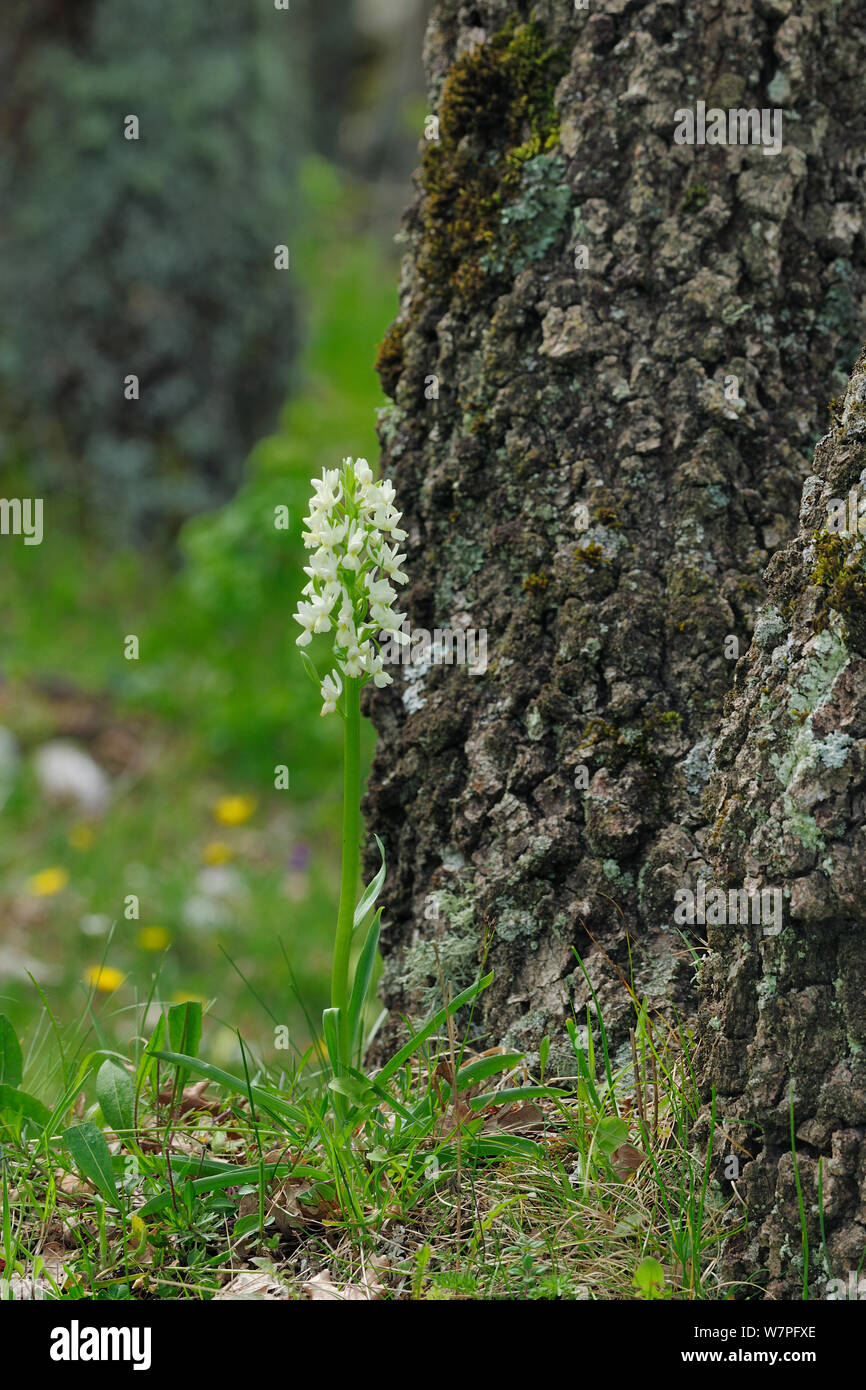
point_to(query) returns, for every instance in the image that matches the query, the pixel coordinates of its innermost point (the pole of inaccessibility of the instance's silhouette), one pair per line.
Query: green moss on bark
(840, 570)
(496, 114)
(390, 358)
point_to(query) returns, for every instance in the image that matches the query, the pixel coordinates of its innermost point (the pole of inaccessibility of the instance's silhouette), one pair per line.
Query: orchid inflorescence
(352, 574)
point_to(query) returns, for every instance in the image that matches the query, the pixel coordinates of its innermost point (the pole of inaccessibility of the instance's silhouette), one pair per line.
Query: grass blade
(274, 1104)
(432, 1024)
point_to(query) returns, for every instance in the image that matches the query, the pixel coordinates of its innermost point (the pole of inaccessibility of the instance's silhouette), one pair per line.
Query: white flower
(386, 520)
(328, 489)
(354, 569)
(380, 590)
(332, 689)
(346, 625)
(380, 676)
(353, 664)
(385, 618)
(324, 565)
(390, 560)
(306, 616)
(331, 533)
(354, 545)
(321, 605)
(380, 494)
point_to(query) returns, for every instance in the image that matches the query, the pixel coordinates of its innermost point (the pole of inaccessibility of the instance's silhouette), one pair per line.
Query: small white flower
(385, 618)
(386, 520)
(350, 559)
(376, 669)
(380, 494)
(332, 689)
(346, 625)
(324, 565)
(306, 616)
(390, 561)
(328, 488)
(380, 590)
(331, 533)
(321, 606)
(353, 664)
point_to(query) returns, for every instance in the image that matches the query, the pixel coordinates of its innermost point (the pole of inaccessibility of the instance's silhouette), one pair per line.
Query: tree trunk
(784, 1012)
(608, 372)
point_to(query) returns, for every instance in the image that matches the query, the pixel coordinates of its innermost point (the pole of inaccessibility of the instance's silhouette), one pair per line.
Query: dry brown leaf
(192, 1098)
(453, 1117)
(280, 1155)
(626, 1160)
(71, 1185)
(25, 1288)
(253, 1283)
(322, 1289)
(520, 1115)
(53, 1253)
(445, 1070)
(38, 1280)
(184, 1145)
(377, 1265)
(287, 1209)
(248, 1204)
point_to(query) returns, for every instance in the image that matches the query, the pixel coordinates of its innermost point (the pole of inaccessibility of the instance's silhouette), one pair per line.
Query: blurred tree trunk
(165, 262)
(609, 369)
(144, 255)
(331, 34)
(784, 1013)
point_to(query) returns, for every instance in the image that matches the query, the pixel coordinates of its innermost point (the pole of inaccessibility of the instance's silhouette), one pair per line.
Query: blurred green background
(153, 778)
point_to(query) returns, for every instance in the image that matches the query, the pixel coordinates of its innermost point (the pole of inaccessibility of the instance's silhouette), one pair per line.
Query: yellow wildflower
(103, 978)
(217, 852)
(153, 939)
(48, 882)
(234, 810)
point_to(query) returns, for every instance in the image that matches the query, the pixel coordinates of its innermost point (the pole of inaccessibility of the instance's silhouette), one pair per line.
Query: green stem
(351, 856)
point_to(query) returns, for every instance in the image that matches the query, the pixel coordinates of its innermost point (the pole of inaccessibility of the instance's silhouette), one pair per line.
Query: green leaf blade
(184, 1027)
(116, 1095)
(88, 1150)
(20, 1103)
(610, 1133)
(486, 1066)
(361, 984)
(372, 891)
(11, 1062)
(511, 1094)
(430, 1026)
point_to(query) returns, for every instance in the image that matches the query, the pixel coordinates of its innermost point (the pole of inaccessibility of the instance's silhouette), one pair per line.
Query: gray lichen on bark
(784, 1014)
(568, 394)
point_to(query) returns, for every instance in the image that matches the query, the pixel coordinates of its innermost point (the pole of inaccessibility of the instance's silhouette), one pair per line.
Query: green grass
(446, 1175)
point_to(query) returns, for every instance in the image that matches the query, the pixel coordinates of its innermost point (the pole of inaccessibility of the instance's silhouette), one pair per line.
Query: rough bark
(784, 1014)
(582, 487)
